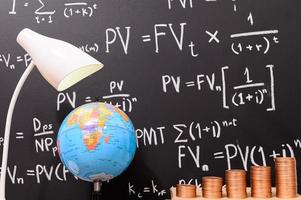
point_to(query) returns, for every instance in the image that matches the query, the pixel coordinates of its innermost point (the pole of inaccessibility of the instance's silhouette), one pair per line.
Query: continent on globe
(92, 132)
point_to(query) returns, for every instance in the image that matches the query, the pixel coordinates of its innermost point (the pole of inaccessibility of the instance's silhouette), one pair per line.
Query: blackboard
(208, 84)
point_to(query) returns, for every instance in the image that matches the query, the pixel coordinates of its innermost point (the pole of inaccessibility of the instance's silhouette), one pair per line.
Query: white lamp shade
(60, 63)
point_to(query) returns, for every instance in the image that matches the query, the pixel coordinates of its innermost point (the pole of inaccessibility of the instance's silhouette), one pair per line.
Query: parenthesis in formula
(233, 99)
(218, 134)
(130, 105)
(260, 100)
(261, 151)
(65, 13)
(267, 44)
(87, 48)
(233, 49)
(190, 131)
(91, 11)
(96, 46)
(291, 150)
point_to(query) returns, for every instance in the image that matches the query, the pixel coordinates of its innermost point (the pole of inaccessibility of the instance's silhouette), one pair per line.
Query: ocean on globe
(96, 141)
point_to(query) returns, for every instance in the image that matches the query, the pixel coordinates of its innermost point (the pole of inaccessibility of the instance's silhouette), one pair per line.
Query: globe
(96, 142)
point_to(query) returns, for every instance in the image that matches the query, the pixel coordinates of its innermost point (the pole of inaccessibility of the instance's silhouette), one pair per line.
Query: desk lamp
(59, 62)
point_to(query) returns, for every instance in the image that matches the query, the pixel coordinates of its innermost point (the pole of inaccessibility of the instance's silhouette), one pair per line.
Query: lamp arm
(7, 128)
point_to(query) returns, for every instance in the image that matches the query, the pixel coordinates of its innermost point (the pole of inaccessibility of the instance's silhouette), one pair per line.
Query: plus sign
(274, 154)
(207, 129)
(249, 47)
(249, 97)
(77, 11)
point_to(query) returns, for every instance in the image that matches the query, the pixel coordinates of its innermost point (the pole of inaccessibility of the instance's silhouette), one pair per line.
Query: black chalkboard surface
(209, 85)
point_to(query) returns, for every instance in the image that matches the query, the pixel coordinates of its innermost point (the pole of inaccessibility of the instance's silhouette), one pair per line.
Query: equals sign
(19, 135)
(19, 59)
(88, 99)
(146, 38)
(219, 155)
(190, 84)
(146, 189)
(30, 172)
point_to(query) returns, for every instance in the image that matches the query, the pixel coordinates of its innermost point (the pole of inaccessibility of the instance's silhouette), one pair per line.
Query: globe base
(96, 195)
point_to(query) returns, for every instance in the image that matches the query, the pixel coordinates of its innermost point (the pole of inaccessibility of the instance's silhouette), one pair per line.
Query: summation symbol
(43, 15)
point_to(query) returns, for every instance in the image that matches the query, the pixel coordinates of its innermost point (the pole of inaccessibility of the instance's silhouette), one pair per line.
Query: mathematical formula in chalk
(44, 14)
(240, 94)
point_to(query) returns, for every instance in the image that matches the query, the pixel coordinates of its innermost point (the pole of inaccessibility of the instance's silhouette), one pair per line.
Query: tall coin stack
(286, 177)
(236, 183)
(261, 186)
(212, 187)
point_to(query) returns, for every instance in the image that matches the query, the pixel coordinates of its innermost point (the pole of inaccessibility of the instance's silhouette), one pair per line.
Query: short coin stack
(286, 177)
(212, 187)
(261, 182)
(236, 183)
(186, 191)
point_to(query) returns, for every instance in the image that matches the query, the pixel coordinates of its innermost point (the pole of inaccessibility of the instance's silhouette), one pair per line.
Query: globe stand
(96, 195)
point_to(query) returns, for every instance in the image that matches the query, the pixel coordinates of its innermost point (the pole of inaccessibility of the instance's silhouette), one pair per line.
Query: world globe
(96, 142)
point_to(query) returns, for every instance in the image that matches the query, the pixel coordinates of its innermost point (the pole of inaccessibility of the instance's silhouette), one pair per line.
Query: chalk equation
(253, 42)
(255, 155)
(116, 97)
(40, 173)
(151, 189)
(44, 137)
(182, 132)
(44, 14)
(262, 45)
(248, 91)
(9, 61)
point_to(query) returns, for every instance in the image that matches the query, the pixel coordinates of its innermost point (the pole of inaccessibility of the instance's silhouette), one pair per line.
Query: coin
(261, 182)
(186, 191)
(212, 187)
(236, 183)
(286, 177)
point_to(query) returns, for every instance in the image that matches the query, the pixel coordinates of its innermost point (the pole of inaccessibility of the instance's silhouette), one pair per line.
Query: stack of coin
(286, 177)
(261, 186)
(212, 187)
(186, 191)
(236, 183)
